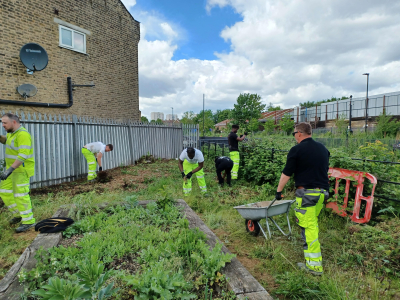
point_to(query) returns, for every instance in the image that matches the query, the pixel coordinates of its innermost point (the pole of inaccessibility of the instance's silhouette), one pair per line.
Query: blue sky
(286, 51)
(200, 29)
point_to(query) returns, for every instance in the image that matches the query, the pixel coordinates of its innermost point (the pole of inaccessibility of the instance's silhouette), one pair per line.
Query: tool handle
(273, 201)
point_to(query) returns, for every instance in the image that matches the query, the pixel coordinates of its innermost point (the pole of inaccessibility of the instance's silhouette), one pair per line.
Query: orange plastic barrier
(358, 177)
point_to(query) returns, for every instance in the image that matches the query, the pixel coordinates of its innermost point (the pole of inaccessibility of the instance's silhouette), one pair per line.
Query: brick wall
(111, 62)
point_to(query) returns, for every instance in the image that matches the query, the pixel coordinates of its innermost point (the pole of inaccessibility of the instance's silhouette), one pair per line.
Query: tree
(159, 121)
(271, 107)
(143, 119)
(253, 125)
(221, 115)
(208, 121)
(248, 107)
(269, 125)
(386, 125)
(189, 117)
(286, 123)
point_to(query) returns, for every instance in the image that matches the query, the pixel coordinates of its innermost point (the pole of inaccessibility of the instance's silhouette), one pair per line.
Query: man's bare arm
(282, 182)
(180, 164)
(198, 168)
(99, 156)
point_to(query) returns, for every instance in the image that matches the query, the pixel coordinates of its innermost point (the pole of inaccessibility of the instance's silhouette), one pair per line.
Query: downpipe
(39, 104)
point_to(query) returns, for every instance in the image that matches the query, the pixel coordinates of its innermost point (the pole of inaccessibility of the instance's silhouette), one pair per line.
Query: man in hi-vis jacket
(20, 166)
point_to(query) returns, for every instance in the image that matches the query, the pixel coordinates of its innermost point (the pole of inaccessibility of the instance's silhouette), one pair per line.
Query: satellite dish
(27, 90)
(34, 57)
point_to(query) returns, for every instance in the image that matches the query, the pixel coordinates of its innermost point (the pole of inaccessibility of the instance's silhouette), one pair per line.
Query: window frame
(60, 27)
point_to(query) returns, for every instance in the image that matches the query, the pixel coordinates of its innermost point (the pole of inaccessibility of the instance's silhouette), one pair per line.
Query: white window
(72, 39)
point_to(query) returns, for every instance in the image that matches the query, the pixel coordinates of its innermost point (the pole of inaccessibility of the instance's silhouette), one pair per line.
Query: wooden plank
(10, 288)
(255, 296)
(241, 282)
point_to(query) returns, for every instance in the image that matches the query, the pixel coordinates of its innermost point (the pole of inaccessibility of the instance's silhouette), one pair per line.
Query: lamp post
(366, 104)
(172, 114)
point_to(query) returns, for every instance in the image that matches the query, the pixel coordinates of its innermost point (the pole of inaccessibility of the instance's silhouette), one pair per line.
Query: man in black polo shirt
(309, 162)
(233, 141)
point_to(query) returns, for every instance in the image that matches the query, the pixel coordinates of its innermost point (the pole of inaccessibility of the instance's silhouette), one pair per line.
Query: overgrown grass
(360, 262)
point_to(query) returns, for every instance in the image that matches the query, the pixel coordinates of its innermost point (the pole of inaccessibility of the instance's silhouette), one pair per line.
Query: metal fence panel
(58, 141)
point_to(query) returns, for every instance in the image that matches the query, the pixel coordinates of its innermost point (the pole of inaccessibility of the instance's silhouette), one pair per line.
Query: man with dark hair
(223, 163)
(191, 161)
(20, 166)
(309, 162)
(93, 153)
(233, 141)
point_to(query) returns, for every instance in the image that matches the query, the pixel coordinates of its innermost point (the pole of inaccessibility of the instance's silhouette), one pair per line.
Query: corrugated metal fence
(58, 141)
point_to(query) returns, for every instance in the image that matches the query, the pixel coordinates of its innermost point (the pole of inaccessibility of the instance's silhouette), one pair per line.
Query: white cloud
(288, 51)
(129, 3)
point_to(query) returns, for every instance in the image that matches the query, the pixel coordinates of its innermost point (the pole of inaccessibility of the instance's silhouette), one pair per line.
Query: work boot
(303, 266)
(15, 220)
(24, 227)
(92, 181)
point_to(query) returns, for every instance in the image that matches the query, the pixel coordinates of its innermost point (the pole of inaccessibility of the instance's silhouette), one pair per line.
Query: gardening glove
(6, 173)
(183, 174)
(278, 195)
(189, 175)
(100, 169)
(245, 133)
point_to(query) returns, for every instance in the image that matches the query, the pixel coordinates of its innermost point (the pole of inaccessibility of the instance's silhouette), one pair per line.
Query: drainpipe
(40, 104)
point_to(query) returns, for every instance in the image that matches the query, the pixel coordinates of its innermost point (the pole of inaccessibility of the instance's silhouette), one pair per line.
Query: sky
(286, 51)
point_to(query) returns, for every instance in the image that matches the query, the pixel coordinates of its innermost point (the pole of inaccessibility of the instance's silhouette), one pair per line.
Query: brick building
(90, 41)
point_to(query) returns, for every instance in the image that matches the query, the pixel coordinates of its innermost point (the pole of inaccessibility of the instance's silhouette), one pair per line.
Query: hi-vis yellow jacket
(19, 146)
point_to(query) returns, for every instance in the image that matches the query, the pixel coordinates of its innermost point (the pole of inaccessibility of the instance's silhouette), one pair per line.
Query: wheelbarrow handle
(273, 201)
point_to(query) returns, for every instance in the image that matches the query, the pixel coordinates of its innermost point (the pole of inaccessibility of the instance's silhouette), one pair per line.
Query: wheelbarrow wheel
(252, 227)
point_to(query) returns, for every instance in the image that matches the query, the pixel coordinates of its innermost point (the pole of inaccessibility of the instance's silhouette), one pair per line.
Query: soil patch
(127, 263)
(71, 242)
(129, 178)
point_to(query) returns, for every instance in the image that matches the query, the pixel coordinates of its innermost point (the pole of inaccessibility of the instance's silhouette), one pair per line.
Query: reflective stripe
(314, 263)
(21, 194)
(25, 156)
(27, 219)
(18, 148)
(24, 147)
(313, 255)
(200, 176)
(11, 156)
(6, 191)
(236, 163)
(92, 172)
(24, 184)
(26, 212)
(313, 242)
(11, 147)
(189, 189)
(91, 163)
(203, 187)
(302, 211)
(12, 205)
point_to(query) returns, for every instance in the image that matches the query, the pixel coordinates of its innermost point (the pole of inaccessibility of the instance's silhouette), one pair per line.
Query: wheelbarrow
(254, 212)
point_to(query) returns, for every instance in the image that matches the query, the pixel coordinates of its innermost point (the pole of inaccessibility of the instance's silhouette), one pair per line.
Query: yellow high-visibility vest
(19, 146)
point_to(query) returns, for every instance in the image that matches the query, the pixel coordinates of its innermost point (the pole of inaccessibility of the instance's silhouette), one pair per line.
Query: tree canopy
(248, 107)
(143, 119)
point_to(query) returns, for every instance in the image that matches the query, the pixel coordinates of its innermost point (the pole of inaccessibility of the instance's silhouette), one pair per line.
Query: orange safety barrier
(354, 176)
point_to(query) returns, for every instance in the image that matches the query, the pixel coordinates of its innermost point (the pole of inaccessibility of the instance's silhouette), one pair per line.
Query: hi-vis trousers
(309, 203)
(15, 194)
(187, 185)
(91, 160)
(235, 156)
